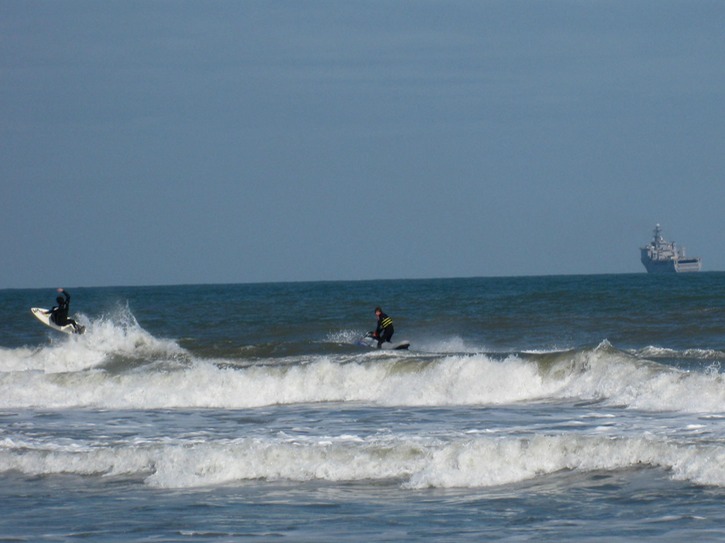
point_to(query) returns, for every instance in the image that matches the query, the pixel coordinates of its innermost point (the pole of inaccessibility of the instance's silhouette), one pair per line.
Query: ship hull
(687, 265)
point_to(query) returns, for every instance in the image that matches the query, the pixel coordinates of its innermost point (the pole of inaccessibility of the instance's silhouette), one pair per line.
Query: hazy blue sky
(220, 142)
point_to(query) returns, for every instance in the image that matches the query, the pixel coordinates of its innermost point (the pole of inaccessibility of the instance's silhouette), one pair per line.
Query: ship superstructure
(660, 256)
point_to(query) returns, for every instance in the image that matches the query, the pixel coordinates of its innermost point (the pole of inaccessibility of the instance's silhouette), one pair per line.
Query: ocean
(568, 408)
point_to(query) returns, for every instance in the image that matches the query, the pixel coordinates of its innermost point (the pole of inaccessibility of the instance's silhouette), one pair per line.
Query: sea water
(587, 408)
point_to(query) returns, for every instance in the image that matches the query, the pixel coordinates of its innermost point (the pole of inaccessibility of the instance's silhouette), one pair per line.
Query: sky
(196, 142)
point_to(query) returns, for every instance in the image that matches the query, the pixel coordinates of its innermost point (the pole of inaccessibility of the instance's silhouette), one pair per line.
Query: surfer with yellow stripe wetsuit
(384, 330)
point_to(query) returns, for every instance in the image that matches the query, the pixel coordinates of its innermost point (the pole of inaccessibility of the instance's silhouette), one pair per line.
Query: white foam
(74, 458)
(617, 378)
(344, 336)
(384, 379)
(117, 334)
(449, 345)
(487, 462)
(74, 375)
(464, 462)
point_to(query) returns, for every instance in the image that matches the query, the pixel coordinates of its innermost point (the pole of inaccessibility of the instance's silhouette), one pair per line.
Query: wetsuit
(385, 329)
(59, 313)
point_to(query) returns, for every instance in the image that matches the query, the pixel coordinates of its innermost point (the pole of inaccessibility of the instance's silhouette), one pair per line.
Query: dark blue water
(583, 408)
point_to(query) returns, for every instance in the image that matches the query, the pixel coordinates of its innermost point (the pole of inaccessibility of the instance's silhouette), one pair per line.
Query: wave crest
(134, 370)
(108, 338)
(413, 463)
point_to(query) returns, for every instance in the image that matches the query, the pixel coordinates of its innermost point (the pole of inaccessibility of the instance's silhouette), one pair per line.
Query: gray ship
(660, 256)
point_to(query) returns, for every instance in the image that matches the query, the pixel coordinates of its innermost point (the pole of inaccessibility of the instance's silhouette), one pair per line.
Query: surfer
(384, 330)
(59, 313)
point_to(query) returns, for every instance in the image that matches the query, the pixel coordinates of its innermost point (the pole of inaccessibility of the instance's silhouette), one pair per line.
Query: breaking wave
(481, 461)
(117, 364)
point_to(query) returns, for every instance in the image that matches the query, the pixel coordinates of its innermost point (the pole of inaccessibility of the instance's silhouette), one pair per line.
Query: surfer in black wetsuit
(59, 313)
(384, 330)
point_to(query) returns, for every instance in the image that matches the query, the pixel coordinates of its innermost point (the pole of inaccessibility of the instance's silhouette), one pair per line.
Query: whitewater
(557, 408)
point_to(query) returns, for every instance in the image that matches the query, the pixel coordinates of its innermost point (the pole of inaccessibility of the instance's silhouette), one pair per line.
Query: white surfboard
(43, 315)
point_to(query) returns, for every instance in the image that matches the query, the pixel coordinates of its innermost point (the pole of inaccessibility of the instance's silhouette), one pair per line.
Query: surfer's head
(378, 310)
(60, 299)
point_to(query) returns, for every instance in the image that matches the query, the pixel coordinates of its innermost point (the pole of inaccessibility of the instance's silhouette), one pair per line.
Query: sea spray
(108, 338)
